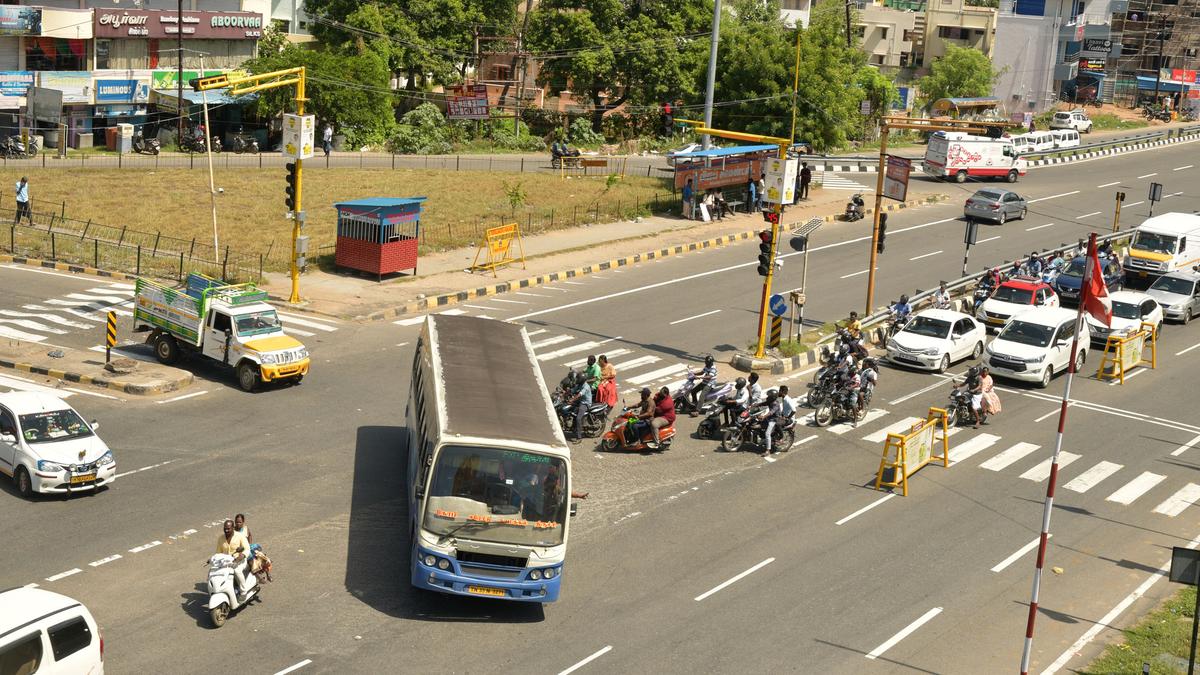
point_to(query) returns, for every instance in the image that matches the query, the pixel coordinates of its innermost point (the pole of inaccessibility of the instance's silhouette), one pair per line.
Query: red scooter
(622, 425)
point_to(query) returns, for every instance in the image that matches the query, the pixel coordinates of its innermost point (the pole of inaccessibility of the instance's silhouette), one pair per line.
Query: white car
(1074, 119)
(1036, 345)
(935, 338)
(690, 147)
(45, 446)
(49, 634)
(1130, 310)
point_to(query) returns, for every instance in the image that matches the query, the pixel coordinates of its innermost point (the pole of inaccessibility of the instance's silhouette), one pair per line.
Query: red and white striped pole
(1058, 441)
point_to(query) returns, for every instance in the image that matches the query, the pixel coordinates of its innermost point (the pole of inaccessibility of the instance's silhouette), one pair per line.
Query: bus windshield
(1155, 243)
(505, 496)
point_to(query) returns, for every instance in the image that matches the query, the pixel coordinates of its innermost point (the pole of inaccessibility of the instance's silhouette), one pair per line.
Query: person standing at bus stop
(23, 201)
(688, 194)
(805, 179)
(327, 138)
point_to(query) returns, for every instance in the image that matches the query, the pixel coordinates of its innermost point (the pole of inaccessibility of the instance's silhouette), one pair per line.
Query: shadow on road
(195, 605)
(378, 550)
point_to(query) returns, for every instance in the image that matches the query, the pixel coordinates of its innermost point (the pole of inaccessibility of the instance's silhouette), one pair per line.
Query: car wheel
(1046, 377)
(23, 482)
(978, 351)
(945, 364)
(1003, 218)
(1012, 176)
(247, 375)
(1080, 359)
(166, 349)
(960, 177)
(1187, 316)
(1024, 212)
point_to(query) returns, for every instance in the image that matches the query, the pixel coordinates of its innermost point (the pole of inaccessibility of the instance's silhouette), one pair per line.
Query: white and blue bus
(489, 472)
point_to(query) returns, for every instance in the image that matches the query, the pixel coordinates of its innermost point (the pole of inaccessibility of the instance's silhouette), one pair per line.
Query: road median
(62, 367)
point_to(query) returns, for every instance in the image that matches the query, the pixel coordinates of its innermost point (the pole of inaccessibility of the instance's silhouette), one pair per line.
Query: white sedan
(1130, 309)
(45, 446)
(935, 338)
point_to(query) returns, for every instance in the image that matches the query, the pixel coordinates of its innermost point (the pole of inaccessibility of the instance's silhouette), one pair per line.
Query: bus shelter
(378, 235)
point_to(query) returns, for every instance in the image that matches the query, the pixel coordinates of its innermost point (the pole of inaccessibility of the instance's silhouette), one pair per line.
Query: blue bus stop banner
(14, 84)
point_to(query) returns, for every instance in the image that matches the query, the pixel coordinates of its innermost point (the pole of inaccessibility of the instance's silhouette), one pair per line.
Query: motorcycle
(216, 143)
(855, 208)
(749, 429)
(841, 405)
(193, 143)
(958, 411)
(593, 418)
(712, 398)
(143, 145)
(895, 324)
(243, 142)
(982, 292)
(223, 596)
(622, 425)
(14, 147)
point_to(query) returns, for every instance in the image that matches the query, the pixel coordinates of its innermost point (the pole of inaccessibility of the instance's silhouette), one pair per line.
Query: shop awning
(1147, 82)
(167, 100)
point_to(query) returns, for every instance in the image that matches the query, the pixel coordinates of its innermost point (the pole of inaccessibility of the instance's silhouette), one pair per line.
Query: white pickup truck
(232, 324)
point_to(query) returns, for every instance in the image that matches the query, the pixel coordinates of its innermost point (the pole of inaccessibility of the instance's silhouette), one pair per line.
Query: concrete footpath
(59, 367)
(443, 278)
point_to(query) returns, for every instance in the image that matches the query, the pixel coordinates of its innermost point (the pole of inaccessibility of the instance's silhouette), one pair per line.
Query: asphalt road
(317, 469)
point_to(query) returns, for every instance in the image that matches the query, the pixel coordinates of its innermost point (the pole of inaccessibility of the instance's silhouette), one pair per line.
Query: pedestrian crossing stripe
(1178, 502)
(1135, 488)
(1041, 472)
(1010, 456)
(833, 181)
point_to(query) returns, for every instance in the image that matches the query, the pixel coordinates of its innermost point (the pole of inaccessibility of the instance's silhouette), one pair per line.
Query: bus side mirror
(574, 509)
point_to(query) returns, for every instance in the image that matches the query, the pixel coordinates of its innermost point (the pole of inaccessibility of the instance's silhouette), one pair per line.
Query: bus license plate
(83, 478)
(484, 590)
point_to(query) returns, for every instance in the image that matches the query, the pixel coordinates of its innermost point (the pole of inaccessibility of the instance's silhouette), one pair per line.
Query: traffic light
(770, 217)
(1120, 196)
(290, 190)
(764, 255)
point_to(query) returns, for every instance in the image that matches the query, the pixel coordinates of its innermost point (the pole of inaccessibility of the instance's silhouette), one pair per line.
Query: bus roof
(1171, 223)
(491, 383)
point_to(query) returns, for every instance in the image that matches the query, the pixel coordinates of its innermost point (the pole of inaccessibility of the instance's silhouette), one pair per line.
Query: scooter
(716, 393)
(622, 425)
(243, 142)
(855, 208)
(223, 598)
(143, 145)
(216, 143)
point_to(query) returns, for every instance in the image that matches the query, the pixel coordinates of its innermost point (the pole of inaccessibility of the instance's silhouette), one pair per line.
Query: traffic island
(60, 366)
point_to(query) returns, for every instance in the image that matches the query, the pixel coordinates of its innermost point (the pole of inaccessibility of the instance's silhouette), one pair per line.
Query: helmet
(869, 362)
(708, 360)
(973, 372)
(740, 383)
(772, 395)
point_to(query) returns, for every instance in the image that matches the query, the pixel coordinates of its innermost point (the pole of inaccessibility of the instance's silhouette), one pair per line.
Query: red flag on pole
(1095, 293)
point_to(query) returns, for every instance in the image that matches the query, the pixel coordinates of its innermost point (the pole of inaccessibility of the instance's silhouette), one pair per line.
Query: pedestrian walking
(805, 179)
(23, 201)
(327, 138)
(688, 193)
(752, 204)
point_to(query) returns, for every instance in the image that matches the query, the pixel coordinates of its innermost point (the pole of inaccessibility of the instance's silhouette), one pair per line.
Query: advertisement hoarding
(13, 85)
(468, 102)
(122, 91)
(166, 79)
(721, 171)
(895, 178)
(76, 86)
(780, 182)
(149, 23)
(17, 20)
(299, 133)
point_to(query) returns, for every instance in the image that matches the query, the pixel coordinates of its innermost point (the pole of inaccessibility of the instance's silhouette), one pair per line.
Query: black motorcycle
(14, 147)
(749, 429)
(243, 142)
(193, 143)
(594, 418)
(216, 143)
(841, 405)
(958, 411)
(143, 145)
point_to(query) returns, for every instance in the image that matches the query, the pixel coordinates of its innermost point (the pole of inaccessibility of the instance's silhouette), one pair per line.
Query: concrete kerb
(65, 267)
(133, 388)
(448, 299)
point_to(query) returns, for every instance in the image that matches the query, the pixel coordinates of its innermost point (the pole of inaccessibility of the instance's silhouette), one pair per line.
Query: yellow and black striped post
(776, 331)
(110, 340)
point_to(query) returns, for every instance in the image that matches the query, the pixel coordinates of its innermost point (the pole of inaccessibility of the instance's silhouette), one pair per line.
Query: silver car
(1179, 295)
(995, 204)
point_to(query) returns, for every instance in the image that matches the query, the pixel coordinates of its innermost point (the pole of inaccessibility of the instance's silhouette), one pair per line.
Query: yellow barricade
(1125, 353)
(913, 450)
(497, 243)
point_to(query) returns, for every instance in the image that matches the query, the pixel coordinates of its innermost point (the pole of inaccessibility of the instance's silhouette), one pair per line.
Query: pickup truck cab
(231, 324)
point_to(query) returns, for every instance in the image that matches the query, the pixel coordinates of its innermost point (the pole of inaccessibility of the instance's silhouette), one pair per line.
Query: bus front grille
(489, 559)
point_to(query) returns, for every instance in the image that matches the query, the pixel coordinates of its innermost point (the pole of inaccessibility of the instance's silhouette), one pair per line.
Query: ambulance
(958, 155)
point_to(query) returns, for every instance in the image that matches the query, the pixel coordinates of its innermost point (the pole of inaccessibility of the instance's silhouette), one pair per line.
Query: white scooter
(223, 598)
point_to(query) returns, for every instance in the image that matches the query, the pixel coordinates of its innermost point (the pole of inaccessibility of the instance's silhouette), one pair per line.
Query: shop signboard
(151, 23)
(13, 86)
(120, 110)
(1097, 46)
(720, 171)
(20, 20)
(468, 102)
(1177, 76)
(1092, 65)
(44, 104)
(76, 86)
(122, 91)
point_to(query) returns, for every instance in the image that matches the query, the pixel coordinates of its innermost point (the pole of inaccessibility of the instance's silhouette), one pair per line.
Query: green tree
(961, 72)
(878, 90)
(616, 51)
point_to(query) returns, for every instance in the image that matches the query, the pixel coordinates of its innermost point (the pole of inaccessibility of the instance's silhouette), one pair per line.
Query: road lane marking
(64, 575)
(23, 268)
(971, 447)
(1115, 182)
(842, 427)
(579, 363)
(180, 398)
(694, 317)
(145, 547)
(93, 393)
(1185, 447)
(1057, 410)
(984, 241)
(847, 276)
(510, 302)
(410, 322)
(926, 255)
(908, 630)
(144, 468)
(639, 361)
(1148, 175)
(20, 335)
(1106, 620)
(894, 428)
(656, 374)
(1041, 472)
(294, 668)
(1173, 194)
(34, 325)
(866, 508)
(935, 385)
(1042, 199)
(52, 318)
(551, 341)
(1000, 566)
(482, 307)
(735, 579)
(105, 561)
(530, 295)
(1178, 502)
(1135, 488)
(1135, 203)
(1089, 215)
(535, 332)
(1187, 350)
(1135, 373)
(1038, 227)
(582, 346)
(1181, 168)
(1009, 456)
(572, 283)
(1088, 479)
(586, 661)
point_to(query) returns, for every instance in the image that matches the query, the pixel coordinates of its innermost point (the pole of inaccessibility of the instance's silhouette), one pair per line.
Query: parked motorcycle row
(15, 148)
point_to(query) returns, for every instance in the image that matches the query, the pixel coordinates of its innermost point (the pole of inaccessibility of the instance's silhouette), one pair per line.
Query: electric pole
(714, 40)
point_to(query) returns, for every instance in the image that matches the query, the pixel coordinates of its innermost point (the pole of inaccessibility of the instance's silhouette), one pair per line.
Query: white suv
(1036, 345)
(1075, 119)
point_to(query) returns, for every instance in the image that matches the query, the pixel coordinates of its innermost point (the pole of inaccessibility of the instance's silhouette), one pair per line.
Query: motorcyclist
(849, 384)
(663, 414)
(233, 543)
(790, 405)
(1057, 261)
(868, 378)
(941, 297)
(901, 310)
(643, 412)
(581, 399)
(772, 416)
(756, 390)
(972, 385)
(853, 325)
(1035, 264)
(703, 383)
(733, 406)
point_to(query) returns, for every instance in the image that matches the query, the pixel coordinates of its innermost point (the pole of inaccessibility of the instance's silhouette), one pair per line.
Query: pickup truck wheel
(166, 349)
(1012, 176)
(247, 375)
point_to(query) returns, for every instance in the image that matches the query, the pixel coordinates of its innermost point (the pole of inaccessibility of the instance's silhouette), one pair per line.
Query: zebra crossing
(834, 181)
(87, 310)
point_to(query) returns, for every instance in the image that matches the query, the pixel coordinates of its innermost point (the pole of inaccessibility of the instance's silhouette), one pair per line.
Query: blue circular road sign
(778, 305)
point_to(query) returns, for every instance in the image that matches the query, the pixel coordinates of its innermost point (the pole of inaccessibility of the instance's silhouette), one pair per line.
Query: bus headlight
(443, 564)
(430, 561)
(535, 575)
(550, 573)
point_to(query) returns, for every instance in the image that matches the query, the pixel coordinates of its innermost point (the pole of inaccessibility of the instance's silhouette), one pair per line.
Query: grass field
(1162, 639)
(250, 212)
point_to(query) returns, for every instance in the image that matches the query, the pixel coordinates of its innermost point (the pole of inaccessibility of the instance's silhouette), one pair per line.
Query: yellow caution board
(110, 336)
(497, 243)
(1123, 353)
(904, 454)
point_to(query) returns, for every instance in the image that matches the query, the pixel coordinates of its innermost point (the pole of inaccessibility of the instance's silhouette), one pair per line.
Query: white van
(1036, 345)
(1022, 144)
(47, 634)
(1065, 138)
(1040, 141)
(1162, 244)
(957, 155)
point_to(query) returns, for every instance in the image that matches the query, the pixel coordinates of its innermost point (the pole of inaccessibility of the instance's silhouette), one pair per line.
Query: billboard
(122, 91)
(19, 20)
(13, 86)
(167, 79)
(76, 86)
(721, 171)
(468, 102)
(895, 178)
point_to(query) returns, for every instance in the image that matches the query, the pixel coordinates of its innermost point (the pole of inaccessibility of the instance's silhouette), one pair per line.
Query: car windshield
(1019, 296)
(54, 425)
(258, 323)
(1126, 310)
(988, 194)
(1172, 285)
(1025, 333)
(1075, 267)
(927, 326)
(1155, 243)
(505, 496)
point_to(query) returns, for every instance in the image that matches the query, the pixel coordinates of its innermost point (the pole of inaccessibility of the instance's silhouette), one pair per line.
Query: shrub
(582, 134)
